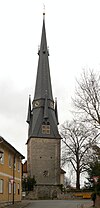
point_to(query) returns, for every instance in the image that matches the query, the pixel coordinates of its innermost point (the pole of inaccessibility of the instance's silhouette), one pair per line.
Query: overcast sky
(73, 37)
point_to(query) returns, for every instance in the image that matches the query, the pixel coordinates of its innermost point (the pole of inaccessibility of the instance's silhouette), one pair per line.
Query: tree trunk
(78, 180)
(78, 173)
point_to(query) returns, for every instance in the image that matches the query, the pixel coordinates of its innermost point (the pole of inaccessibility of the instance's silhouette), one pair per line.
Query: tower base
(44, 192)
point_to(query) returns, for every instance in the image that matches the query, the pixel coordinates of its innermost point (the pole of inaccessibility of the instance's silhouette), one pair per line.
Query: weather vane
(43, 9)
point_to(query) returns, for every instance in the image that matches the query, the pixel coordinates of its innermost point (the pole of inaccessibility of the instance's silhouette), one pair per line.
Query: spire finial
(44, 11)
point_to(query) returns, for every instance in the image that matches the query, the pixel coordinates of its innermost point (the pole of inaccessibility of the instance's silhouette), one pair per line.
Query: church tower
(43, 144)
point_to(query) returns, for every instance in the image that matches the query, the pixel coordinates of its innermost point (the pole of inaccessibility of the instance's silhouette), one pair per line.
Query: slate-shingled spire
(43, 113)
(43, 81)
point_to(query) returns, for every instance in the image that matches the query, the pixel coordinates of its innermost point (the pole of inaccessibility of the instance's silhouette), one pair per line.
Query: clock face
(36, 104)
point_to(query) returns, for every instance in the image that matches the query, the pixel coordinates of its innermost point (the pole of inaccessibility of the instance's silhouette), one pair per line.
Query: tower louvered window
(45, 128)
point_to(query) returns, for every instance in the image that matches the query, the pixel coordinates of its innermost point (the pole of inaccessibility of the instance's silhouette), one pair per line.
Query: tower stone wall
(44, 160)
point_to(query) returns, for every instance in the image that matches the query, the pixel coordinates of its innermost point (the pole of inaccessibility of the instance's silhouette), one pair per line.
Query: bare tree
(87, 97)
(77, 140)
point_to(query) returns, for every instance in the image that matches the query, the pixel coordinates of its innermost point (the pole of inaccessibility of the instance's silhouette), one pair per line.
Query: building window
(2, 157)
(15, 163)
(18, 166)
(14, 188)
(45, 129)
(1, 186)
(9, 188)
(18, 188)
(10, 160)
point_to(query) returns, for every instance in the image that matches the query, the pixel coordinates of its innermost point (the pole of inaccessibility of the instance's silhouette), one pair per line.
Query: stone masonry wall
(44, 160)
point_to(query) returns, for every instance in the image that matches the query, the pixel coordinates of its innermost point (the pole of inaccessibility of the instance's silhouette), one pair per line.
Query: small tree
(28, 183)
(77, 140)
(94, 176)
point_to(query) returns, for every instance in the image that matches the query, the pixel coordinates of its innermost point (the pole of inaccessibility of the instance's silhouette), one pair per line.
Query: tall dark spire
(43, 120)
(43, 81)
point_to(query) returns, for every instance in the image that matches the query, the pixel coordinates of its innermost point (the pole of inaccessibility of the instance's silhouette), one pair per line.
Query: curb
(16, 205)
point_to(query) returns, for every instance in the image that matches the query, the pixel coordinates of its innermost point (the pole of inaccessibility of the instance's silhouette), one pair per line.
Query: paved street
(53, 204)
(59, 204)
